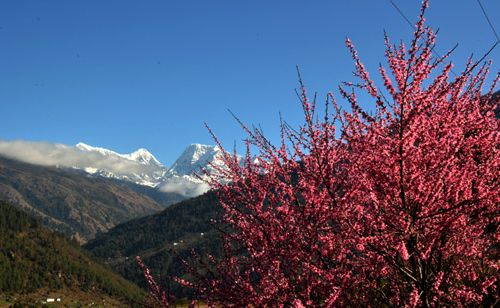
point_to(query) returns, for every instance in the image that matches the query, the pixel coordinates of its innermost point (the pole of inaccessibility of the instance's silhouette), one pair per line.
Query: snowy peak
(139, 167)
(181, 177)
(88, 148)
(184, 176)
(143, 156)
(195, 157)
(143, 168)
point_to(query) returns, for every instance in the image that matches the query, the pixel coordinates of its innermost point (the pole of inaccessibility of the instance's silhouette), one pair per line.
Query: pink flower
(403, 252)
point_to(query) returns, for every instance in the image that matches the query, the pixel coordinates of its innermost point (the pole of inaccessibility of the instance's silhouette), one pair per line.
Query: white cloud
(49, 154)
(185, 186)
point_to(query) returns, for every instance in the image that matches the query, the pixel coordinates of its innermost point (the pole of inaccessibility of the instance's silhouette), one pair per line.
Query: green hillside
(162, 240)
(36, 262)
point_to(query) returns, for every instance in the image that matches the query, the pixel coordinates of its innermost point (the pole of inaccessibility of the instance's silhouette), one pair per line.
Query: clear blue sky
(128, 74)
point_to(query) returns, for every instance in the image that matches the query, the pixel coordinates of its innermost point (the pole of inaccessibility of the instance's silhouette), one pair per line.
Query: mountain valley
(74, 203)
(118, 215)
(162, 240)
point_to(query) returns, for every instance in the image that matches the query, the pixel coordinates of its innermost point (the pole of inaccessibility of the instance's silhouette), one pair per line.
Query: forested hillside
(35, 262)
(162, 240)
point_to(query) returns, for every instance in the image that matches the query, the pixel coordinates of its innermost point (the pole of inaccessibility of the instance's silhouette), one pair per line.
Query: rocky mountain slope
(74, 203)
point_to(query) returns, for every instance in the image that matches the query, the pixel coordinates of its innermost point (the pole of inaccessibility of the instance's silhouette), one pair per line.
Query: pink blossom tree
(399, 207)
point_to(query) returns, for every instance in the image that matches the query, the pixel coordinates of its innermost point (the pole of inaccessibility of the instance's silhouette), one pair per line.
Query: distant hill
(162, 240)
(36, 263)
(74, 202)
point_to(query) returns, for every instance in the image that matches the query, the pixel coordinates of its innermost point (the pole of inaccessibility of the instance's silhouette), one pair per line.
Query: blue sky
(128, 74)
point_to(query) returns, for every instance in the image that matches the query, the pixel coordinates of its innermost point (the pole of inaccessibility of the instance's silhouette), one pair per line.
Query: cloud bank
(50, 154)
(184, 186)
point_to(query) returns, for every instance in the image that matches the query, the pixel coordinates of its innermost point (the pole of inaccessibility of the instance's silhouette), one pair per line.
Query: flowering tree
(156, 295)
(399, 207)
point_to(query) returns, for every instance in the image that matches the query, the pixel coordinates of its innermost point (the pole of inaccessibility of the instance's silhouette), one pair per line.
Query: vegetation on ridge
(33, 258)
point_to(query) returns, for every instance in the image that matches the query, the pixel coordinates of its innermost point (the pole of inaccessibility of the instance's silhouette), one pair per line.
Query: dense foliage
(32, 257)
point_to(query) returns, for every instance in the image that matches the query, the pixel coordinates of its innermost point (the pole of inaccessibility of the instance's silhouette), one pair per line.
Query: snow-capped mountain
(141, 155)
(181, 176)
(140, 166)
(194, 158)
(144, 157)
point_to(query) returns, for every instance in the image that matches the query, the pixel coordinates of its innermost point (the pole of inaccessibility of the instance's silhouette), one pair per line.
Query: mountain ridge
(73, 202)
(36, 263)
(163, 240)
(140, 155)
(140, 167)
